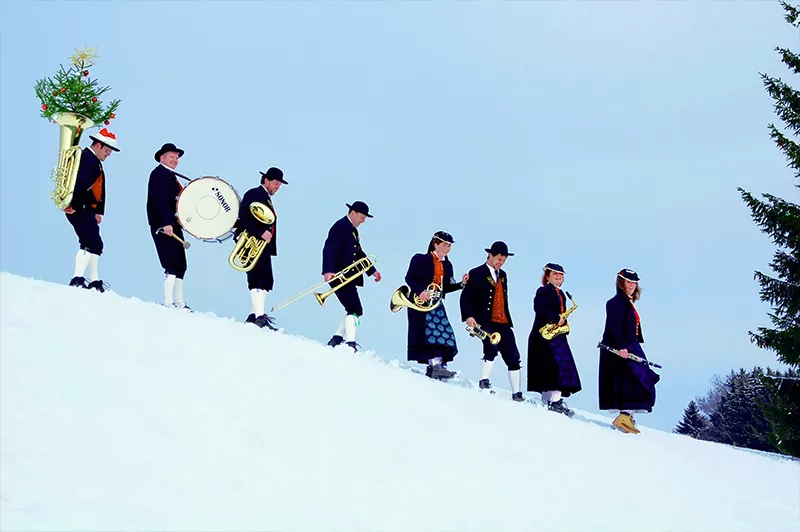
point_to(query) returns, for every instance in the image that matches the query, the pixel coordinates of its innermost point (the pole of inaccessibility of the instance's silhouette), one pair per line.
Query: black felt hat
(629, 275)
(444, 236)
(273, 174)
(360, 207)
(552, 266)
(499, 248)
(167, 148)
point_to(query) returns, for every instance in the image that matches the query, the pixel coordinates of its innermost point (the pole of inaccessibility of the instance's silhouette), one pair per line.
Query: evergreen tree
(781, 220)
(782, 413)
(694, 424)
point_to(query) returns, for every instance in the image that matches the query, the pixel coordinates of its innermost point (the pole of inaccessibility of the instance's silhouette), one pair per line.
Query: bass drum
(208, 208)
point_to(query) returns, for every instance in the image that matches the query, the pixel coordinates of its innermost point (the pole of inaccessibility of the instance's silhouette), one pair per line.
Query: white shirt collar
(495, 273)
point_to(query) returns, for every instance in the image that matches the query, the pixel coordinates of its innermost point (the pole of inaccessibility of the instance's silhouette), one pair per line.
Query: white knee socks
(258, 297)
(169, 287)
(179, 302)
(486, 369)
(350, 324)
(340, 329)
(93, 275)
(513, 379)
(81, 262)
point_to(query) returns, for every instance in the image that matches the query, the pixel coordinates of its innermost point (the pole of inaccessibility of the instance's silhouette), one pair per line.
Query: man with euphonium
(484, 303)
(551, 367)
(163, 190)
(342, 249)
(260, 279)
(431, 339)
(87, 208)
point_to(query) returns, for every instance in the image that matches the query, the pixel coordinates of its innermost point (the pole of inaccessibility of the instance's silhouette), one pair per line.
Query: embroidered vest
(499, 303)
(97, 189)
(438, 269)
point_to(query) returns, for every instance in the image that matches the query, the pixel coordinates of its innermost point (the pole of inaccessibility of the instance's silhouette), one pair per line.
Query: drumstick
(186, 244)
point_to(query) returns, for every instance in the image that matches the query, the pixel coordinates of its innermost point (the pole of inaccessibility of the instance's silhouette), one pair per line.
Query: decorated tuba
(400, 299)
(551, 330)
(65, 174)
(248, 248)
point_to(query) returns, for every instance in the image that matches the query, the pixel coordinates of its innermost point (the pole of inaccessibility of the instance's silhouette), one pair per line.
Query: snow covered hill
(118, 414)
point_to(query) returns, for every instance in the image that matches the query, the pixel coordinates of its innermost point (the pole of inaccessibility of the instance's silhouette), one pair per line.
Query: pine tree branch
(787, 101)
(790, 59)
(792, 14)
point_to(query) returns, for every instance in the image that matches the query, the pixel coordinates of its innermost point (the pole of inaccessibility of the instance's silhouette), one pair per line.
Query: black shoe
(251, 318)
(439, 372)
(265, 321)
(97, 285)
(517, 397)
(560, 407)
(484, 384)
(354, 346)
(80, 282)
(335, 340)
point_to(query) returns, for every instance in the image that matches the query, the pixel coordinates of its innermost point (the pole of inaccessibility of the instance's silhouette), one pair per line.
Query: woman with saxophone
(551, 366)
(626, 387)
(431, 339)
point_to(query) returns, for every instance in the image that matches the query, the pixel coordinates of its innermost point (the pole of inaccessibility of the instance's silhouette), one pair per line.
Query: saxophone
(551, 330)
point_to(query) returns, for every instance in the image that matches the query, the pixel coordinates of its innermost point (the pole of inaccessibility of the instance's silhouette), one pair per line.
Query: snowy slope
(119, 414)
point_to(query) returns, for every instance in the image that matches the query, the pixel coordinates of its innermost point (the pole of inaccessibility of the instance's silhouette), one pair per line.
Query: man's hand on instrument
(623, 353)
(471, 322)
(561, 322)
(99, 218)
(266, 236)
(327, 277)
(425, 296)
(377, 276)
(69, 210)
(167, 230)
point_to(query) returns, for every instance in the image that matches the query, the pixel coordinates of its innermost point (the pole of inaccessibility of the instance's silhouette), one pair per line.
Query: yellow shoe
(625, 423)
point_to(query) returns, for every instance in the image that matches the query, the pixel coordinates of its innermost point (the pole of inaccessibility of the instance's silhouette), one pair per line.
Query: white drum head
(208, 208)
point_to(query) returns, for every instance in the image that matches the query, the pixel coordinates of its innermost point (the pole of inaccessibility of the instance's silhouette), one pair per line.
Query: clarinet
(631, 356)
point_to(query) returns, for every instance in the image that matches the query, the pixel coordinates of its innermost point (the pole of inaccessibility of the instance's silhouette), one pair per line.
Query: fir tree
(781, 220)
(694, 424)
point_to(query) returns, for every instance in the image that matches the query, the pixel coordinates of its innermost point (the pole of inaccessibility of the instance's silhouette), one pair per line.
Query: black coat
(163, 190)
(90, 171)
(478, 297)
(620, 331)
(248, 222)
(342, 248)
(419, 276)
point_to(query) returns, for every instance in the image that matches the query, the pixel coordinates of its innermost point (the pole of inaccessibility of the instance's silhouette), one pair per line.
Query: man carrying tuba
(87, 208)
(431, 339)
(253, 223)
(342, 249)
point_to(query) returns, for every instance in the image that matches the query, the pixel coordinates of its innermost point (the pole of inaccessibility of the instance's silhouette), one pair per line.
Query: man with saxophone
(87, 208)
(163, 190)
(342, 249)
(484, 303)
(260, 279)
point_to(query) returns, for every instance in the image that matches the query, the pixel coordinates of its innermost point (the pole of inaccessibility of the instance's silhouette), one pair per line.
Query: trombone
(477, 332)
(343, 277)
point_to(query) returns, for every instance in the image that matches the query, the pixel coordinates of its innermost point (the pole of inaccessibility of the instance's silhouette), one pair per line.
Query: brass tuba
(477, 332)
(248, 249)
(551, 330)
(400, 299)
(65, 174)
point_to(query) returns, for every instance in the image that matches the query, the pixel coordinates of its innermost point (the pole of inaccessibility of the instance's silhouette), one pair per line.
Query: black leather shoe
(335, 340)
(97, 285)
(80, 282)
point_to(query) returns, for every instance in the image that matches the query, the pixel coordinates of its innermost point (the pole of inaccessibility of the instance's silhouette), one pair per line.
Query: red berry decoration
(55, 93)
(112, 115)
(63, 89)
(85, 72)
(106, 122)
(44, 107)
(94, 99)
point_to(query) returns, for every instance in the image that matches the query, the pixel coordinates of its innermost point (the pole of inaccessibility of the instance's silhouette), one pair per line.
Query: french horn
(400, 299)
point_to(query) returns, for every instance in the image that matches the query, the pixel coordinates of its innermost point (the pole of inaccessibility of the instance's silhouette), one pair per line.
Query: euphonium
(400, 299)
(249, 248)
(477, 332)
(65, 174)
(551, 330)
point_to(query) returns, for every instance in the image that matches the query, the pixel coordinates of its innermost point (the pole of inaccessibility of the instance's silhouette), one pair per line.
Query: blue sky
(599, 135)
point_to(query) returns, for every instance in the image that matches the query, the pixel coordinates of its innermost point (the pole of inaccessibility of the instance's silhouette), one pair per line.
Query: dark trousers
(261, 275)
(170, 252)
(507, 347)
(87, 229)
(348, 297)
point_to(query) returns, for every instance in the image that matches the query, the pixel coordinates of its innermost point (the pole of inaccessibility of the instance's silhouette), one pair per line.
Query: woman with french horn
(431, 339)
(551, 366)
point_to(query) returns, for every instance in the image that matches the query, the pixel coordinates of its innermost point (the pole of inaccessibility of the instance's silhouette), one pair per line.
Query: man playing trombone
(484, 303)
(260, 279)
(163, 190)
(342, 249)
